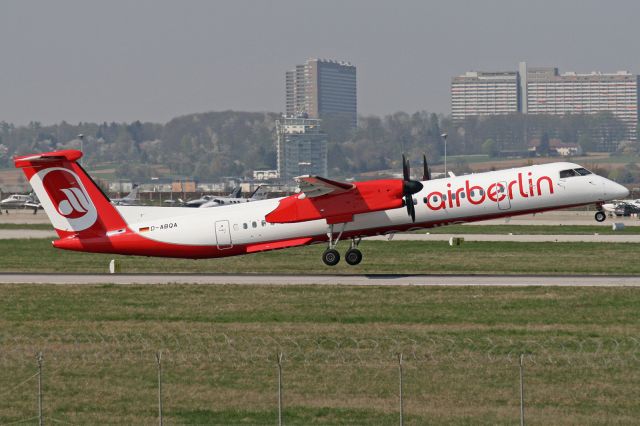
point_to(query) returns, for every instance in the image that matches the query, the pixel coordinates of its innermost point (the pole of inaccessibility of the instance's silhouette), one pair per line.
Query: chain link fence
(224, 377)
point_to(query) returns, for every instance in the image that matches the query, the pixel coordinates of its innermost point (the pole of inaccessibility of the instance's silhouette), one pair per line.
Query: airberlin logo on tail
(64, 198)
(75, 205)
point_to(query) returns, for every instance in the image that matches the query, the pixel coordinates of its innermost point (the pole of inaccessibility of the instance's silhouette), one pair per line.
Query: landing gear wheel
(600, 216)
(353, 256)
(331, 257)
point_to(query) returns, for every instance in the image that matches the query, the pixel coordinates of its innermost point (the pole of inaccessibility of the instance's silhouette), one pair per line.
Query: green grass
(414, 257)
(534, 229)
(37, 226)
(219, 343)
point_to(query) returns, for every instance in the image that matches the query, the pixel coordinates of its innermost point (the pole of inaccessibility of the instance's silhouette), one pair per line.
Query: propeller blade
(411, 210)
(406, 171)
(426, 173)
(409, 187)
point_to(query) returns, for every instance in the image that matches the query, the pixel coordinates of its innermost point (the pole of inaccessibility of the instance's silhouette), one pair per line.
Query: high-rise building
(484, 93)
(322, 88)
(302, 148)
(546, 91)
(549, 92)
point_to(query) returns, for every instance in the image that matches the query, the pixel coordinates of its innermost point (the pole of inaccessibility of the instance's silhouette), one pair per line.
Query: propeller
(426, 173)
(409, 187)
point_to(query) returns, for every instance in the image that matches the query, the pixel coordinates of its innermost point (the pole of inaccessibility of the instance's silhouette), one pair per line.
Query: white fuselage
(442, 201)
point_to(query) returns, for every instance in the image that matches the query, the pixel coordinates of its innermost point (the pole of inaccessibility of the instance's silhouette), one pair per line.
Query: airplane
(221, 201)
(324, 211)
(131, 199)
(622, 207)
(19, 201)
(235, 193)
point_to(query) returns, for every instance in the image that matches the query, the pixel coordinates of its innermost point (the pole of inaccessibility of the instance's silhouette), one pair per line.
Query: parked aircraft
(222, 201)
(19, 201)
(235, 193)
(324, 211)
(622, 207)
(131, 199)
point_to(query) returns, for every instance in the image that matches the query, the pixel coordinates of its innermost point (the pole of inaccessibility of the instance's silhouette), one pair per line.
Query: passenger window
(264, 223)
(254, 225)
(583, 172)
(244, 226)
(453, 196)
(473, 194)
(435, 198)
(567, 173)
(462, 195)
(415, 202)
(444, 198)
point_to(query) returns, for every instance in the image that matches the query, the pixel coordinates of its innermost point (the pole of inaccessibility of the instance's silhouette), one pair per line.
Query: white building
(484, 93)
(546, 91)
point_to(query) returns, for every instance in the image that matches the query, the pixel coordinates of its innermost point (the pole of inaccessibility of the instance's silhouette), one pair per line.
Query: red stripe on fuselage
(130, 243)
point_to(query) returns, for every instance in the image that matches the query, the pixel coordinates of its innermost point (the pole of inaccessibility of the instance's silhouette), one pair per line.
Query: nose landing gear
(600, 216)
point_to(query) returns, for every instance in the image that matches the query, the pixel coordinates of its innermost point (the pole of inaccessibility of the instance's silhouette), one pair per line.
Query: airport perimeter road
(354, 280)
(621, 238)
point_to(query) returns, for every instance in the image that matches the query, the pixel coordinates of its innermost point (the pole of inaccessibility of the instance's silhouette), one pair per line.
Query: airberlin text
(496, 192)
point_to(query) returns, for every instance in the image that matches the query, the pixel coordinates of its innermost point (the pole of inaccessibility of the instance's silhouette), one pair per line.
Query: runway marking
(347, 280)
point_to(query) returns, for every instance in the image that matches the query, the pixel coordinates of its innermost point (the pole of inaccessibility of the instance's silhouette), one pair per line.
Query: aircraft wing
(317, 186)
(336, 202)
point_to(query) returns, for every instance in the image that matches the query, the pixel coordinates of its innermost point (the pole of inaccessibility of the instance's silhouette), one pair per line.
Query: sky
(119, 60)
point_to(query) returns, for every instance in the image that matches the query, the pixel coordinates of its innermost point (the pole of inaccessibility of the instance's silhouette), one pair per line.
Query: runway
(347, 280)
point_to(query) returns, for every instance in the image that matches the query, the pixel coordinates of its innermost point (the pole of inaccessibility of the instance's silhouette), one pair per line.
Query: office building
(322, 88)
(302, 148)
(547, 91)
(484, 93)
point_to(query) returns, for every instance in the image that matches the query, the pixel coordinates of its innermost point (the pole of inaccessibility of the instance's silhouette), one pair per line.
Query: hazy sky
(153, 60)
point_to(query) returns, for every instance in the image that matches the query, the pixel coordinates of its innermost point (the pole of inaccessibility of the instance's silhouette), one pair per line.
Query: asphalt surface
(351, 280)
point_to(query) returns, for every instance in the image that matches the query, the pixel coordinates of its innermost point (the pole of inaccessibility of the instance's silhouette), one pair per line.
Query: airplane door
(223, 234)
(502, 195)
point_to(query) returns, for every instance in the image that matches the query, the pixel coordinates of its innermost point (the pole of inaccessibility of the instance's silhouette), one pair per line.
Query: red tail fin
(74, 203)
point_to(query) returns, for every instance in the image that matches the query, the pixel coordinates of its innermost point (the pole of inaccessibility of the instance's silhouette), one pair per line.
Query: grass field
(504, 229)
(414, 257)
(461, 347)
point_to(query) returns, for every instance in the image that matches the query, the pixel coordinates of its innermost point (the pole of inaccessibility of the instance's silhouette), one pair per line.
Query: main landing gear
(331, 256)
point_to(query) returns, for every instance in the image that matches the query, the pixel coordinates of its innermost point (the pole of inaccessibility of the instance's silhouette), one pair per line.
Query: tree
(544, 148)
(490, 148)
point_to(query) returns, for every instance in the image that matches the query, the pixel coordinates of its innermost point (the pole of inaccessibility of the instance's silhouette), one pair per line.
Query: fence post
(40, 418)
(401, 396)
(159, 362)
(521, 389)
(280, 389)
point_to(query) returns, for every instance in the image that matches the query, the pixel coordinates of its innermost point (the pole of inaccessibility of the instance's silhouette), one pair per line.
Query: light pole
(81, 137)
(444, 136)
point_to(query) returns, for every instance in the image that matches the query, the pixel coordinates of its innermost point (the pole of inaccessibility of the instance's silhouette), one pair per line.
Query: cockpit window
(583, 172)
(568, 173)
